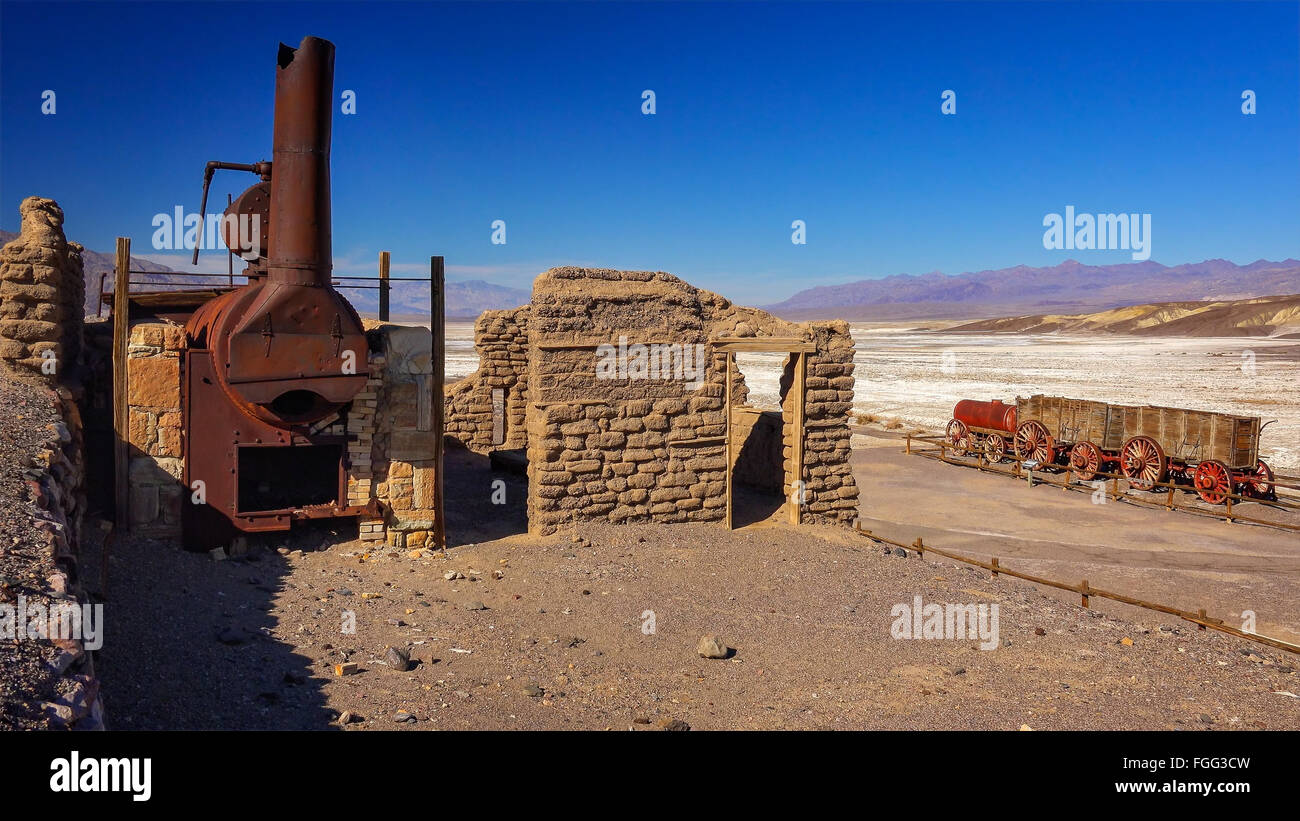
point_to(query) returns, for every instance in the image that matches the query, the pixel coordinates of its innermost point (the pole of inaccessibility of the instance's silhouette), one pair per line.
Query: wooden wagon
(1216, 453)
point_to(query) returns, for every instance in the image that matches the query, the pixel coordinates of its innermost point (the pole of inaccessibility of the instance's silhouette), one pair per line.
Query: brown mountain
(1070, 287)
(1273, 316)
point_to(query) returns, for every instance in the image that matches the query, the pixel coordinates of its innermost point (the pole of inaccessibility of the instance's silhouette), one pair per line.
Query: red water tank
(994, 415)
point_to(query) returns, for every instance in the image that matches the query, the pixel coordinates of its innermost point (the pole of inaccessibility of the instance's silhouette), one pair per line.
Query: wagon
(1216, 453)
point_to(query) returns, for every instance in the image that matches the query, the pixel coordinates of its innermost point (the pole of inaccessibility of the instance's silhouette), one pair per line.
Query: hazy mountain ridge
(1070, 287)
(1274, 316)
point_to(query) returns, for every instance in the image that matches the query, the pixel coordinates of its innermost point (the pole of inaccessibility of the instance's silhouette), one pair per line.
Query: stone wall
(41, 293)
(485, 411)
(58, 479)
(612, 446)
(153, 374)
(831, 493)
(402, 452)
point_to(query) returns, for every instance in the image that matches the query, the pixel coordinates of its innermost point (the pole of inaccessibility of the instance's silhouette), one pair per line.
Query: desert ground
(555, 632)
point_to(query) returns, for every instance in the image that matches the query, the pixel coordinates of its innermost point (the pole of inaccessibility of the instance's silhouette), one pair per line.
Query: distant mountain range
(409, 300)
(1070, 287)
(1274, 316)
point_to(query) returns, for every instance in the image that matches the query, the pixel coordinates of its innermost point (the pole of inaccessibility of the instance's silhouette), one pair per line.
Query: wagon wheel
(1259, 482)
(995, 448)
(962, 446)
(1213, 481)
(1034, 442)
(956, 430)
(1143, 462)
(1085, 461)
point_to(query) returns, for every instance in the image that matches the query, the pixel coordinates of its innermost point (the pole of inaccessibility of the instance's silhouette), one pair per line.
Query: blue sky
(765, 113)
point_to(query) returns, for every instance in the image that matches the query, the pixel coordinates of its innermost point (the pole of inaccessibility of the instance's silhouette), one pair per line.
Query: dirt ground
(601, 633)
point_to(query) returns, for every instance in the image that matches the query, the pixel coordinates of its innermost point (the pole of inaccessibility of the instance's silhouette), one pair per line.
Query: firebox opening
(278, 478)
(300, 406)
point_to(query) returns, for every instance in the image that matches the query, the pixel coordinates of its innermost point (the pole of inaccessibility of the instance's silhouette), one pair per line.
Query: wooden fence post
(121, 423)
(383, 286)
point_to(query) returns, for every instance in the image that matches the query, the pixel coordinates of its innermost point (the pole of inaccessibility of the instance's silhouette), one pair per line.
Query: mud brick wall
(42, 289)
(501, 340)
(153, 376)
(831, 492)
(360, 425)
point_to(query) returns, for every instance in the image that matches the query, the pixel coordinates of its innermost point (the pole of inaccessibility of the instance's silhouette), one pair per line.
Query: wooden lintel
(764, 346)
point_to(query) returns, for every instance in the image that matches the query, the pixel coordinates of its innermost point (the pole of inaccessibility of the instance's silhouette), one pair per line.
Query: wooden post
(384, 287)
(121, 422)
(730, 521)
(796, 425)
(1083, 589)
(995, 566)
(1201, 613)
(920, 547)
(438, 330)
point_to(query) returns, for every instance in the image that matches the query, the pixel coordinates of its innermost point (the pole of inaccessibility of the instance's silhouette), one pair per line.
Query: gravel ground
(562, 641)
(27, 416)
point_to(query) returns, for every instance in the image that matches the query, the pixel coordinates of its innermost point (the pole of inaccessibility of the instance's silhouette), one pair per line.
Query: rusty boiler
(270, 365)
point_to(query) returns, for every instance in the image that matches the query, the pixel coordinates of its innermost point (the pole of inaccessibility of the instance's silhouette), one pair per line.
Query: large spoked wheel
(995, 448)
(1034, 442)
(955, 432)
(1259, 482)
(962, 447)
(1085, 461)
(1143, 462)
(1213, 482)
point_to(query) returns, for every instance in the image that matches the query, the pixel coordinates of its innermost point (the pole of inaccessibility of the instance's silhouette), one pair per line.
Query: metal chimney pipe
(300, 252)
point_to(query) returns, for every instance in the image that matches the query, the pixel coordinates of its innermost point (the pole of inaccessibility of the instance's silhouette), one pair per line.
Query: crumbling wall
(485, 411)
(621, 389)
(42, 288)
(831, 492)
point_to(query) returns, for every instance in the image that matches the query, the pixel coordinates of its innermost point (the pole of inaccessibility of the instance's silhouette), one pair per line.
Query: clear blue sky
(766, 113)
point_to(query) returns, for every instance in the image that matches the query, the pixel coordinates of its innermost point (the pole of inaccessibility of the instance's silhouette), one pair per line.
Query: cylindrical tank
(994, 415)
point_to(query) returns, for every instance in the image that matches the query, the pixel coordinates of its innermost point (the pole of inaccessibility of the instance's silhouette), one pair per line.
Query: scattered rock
(218, 554)
(397, 660)
(1126, 641)
(346, 669)
(712, 647)
(402, 717)
(349, 717)
(532, 690)
(1038, 631)
(1205, 719)
(231, 636)
(476, 605)
(673, 725)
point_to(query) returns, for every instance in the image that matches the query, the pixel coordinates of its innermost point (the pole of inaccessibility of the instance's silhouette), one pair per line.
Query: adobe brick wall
(42, 289)
(501, 340)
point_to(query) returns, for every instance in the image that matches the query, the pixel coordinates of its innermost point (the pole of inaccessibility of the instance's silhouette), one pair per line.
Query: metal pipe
(300, 252)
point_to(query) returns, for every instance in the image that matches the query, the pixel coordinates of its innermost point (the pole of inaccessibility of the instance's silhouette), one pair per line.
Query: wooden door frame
(798, 350)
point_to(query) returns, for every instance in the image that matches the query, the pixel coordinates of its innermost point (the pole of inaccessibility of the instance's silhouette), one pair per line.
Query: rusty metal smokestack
(300, 252)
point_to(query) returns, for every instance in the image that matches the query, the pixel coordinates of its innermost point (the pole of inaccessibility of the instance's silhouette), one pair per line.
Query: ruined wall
(831, 493)
(622, 397)
(474, 415)
(41, 293)
(153, 377)
(402, 453)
